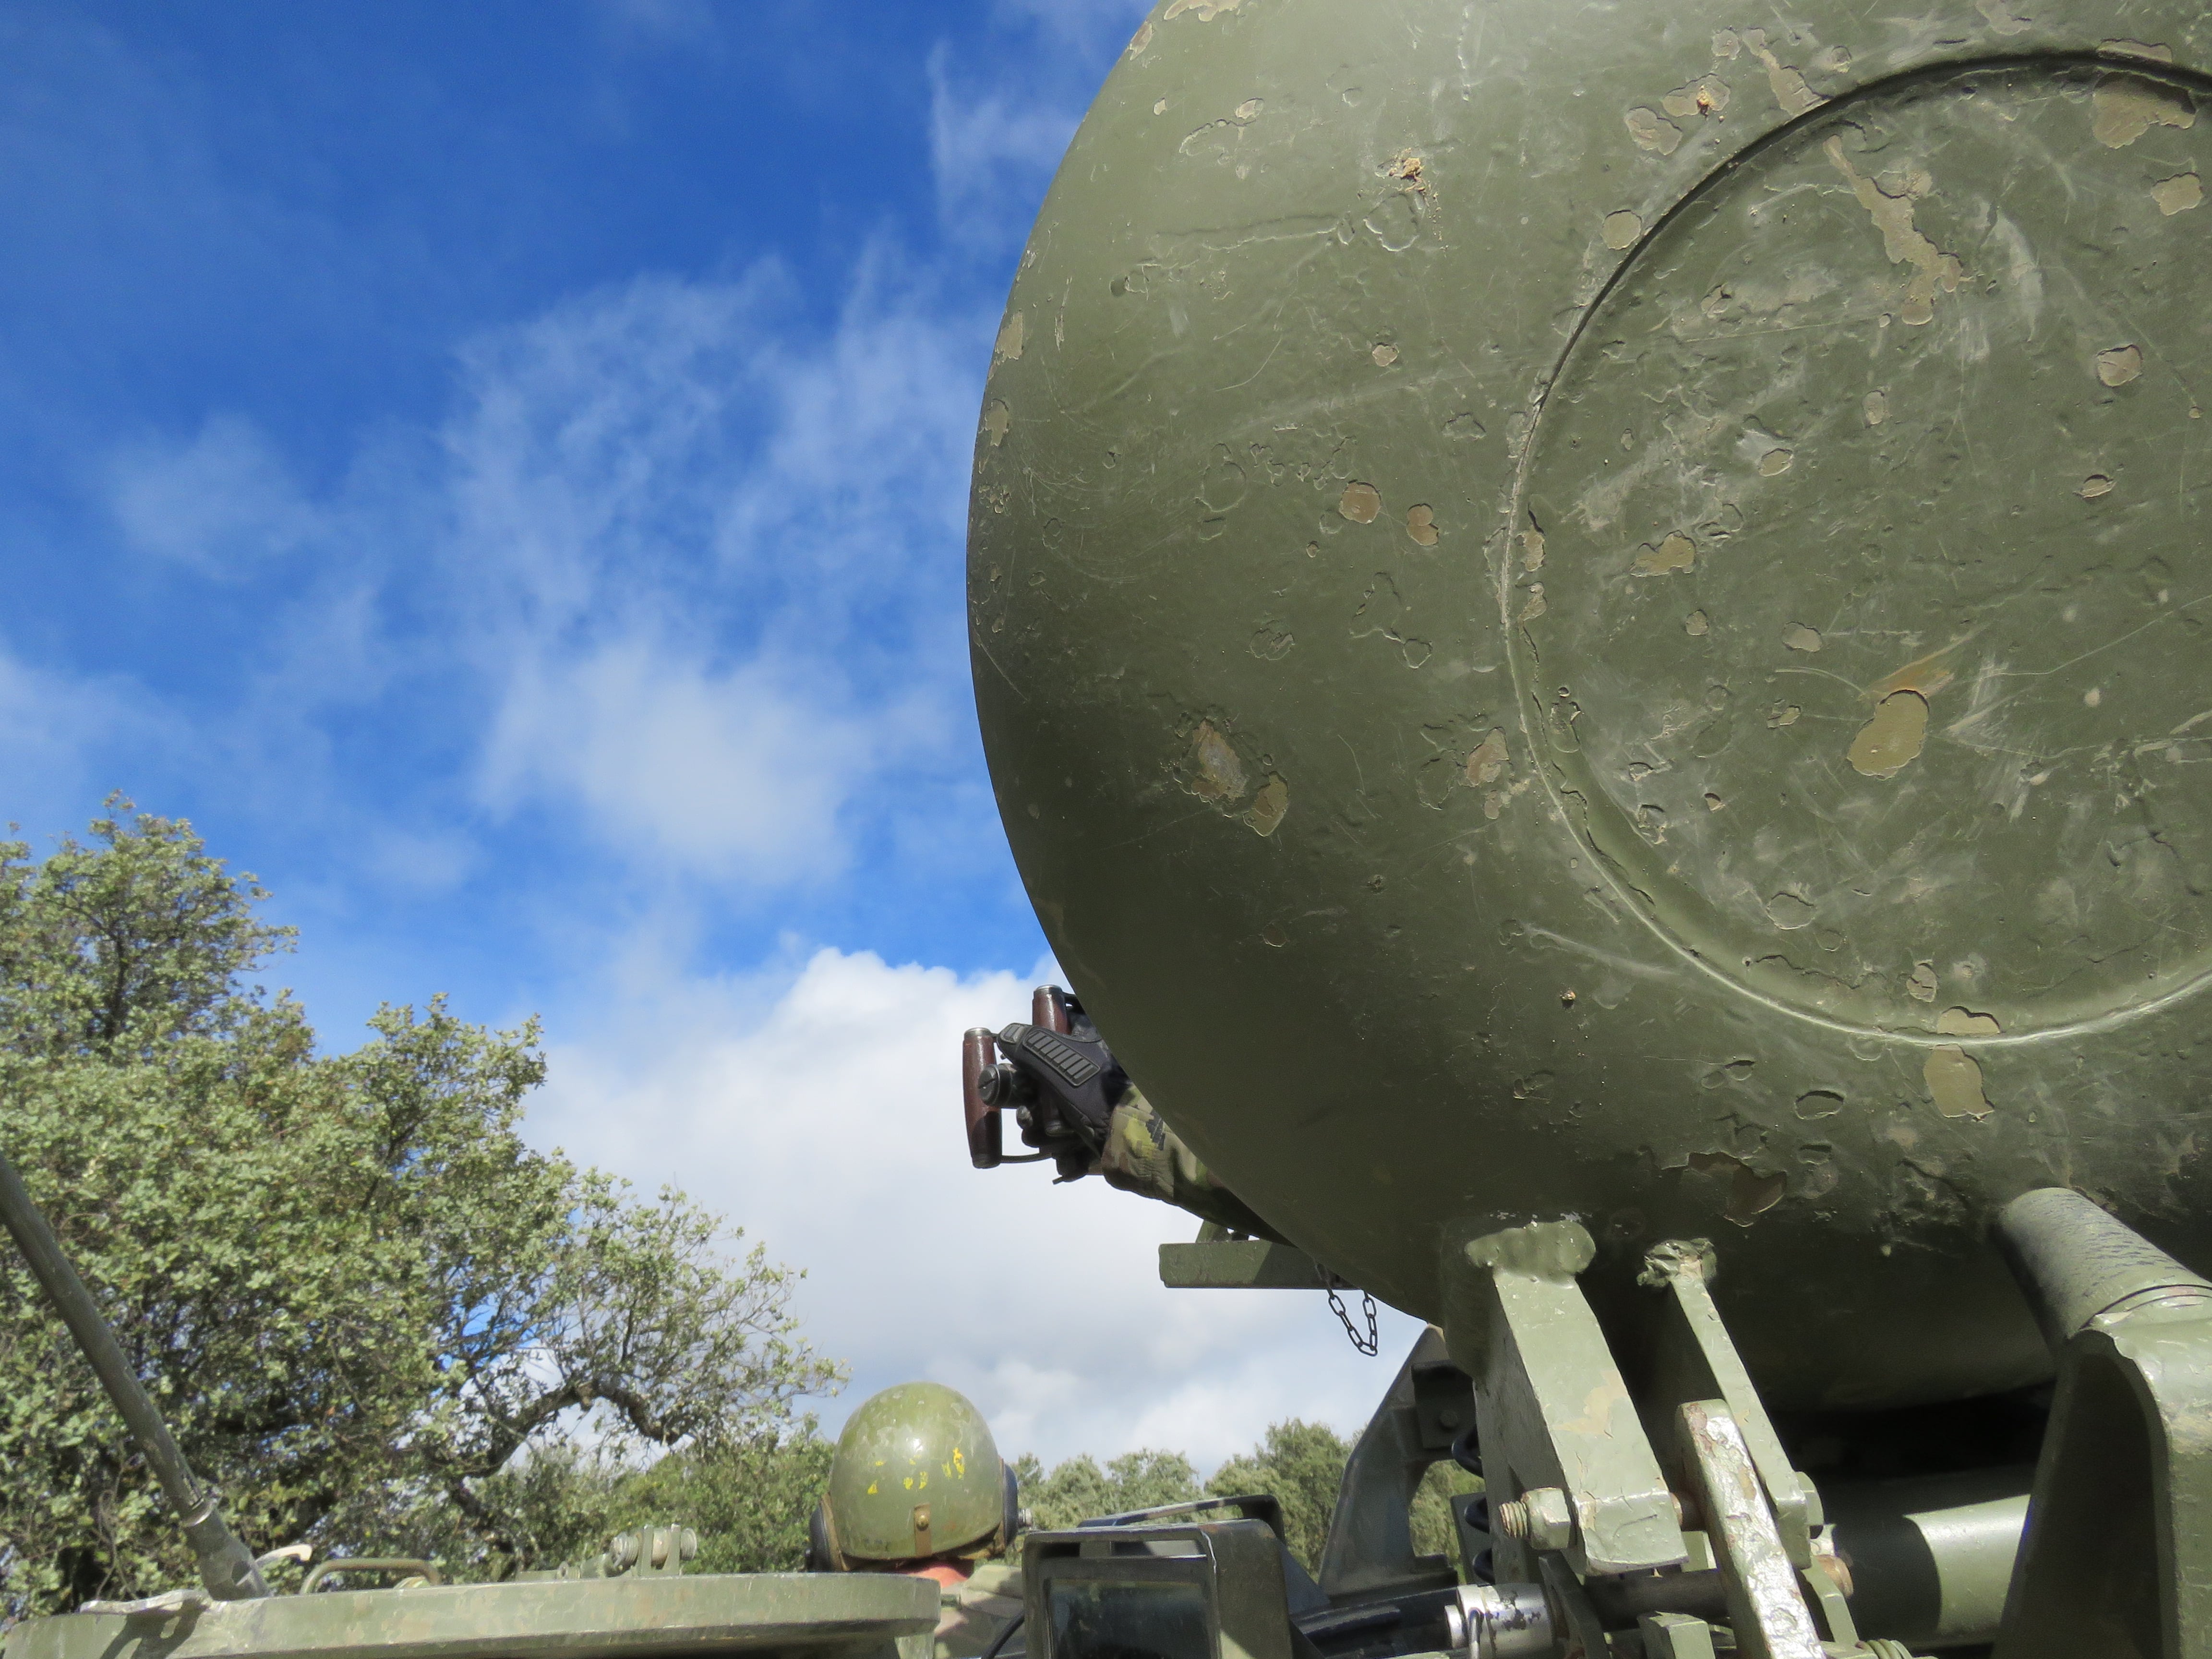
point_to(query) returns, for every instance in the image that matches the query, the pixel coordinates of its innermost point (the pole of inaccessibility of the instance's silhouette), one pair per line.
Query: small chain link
(1371, 1344)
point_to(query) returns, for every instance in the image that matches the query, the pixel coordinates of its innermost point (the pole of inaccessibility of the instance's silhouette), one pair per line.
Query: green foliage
(1433, 1532)
(1078, 1489)
(749, 1497)
(1300, 1463)
(376, 1316)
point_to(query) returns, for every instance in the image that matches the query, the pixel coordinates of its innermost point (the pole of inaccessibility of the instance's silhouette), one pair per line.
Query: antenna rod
(225, 1567)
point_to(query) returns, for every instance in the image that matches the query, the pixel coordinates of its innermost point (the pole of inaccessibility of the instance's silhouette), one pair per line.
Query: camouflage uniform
(1143, 1155)
(975, 1613)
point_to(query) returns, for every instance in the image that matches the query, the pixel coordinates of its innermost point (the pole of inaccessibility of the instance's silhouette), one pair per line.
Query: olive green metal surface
(841, 1613)
(1599, 609)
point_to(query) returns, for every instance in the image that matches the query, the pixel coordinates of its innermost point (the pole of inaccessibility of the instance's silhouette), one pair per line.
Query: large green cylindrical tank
(1600, 609)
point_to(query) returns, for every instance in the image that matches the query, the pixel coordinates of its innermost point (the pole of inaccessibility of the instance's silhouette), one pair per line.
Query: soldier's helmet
(916, 1475)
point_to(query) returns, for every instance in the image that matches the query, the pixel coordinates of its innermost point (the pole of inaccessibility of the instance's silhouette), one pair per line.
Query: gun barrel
(225, 1567)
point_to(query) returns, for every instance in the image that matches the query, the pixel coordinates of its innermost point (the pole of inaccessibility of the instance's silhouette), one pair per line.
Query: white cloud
(221, 502)
(989, 149)
(727, 772)
(702, 560)
(821, 1113)
(55, 729)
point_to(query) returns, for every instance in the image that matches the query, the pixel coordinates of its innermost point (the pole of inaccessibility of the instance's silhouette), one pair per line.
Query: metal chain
(1371, 1344)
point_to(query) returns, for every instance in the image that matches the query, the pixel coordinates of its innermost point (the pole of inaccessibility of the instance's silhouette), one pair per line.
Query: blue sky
(500, 470)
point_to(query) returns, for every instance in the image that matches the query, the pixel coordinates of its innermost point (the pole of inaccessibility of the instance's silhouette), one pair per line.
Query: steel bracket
(1553, 1409)
(1698, 1360)
(2117, 1554)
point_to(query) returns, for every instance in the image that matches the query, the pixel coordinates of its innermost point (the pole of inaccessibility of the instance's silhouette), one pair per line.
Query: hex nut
(1541, 1518)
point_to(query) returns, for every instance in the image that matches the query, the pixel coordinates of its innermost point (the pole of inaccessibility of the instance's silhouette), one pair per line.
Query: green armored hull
(845, 1616)
(1599, 609)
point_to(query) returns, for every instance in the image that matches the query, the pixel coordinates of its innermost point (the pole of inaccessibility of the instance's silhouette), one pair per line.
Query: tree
(375, 1316)
(1301, 1464)
(1078, 1489)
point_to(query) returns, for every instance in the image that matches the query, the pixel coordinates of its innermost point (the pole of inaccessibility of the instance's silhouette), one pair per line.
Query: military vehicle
(1587, 619)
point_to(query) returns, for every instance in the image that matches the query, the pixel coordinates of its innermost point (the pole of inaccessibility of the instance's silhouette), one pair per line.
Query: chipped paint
(1205, 10)
(1904, 241)
(1707, 95)
(1676, 553)
(1009, 345)
(1953, 1078)
(1421, 525)
(2096, 484)
(2120, 365)
(1268, 807)
(1383, 354)
(1362, 503)
(1487, 764)
(1750, 1194)
(1965, 1022)
(1652, 130)
(1621, 227)
(1775, 463)
(1798, 637)
(1532, 549)
(2124, 108)
(2002, 18)
(1139, 40)
(1875, 407)
(998, 420)
(1219, 775)
(1791, 95)
(1894, 738)
(2179, 194)
(1696, 624)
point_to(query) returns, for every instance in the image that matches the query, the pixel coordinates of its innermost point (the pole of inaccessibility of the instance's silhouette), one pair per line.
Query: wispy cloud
(708, 562)
(53, 727)
(221, 502)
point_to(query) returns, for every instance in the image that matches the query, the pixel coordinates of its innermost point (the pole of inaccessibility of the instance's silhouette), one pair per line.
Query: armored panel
(1598, 609)
(819, 1616)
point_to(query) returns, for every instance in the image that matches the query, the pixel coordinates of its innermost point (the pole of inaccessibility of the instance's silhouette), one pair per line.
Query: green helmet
(917, 1474)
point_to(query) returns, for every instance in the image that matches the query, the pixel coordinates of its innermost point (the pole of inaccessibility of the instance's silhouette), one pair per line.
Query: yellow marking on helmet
(872, 1489)
(909, 1483)
(959, 1463)
(922, 1480)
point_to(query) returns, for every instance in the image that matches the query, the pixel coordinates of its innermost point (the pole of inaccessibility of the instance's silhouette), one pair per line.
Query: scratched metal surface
(1598, 609)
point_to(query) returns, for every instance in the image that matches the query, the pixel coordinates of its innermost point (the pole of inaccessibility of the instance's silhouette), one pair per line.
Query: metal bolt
(1541, 1518)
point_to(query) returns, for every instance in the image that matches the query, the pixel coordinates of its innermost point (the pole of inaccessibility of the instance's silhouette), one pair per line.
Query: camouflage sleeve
(1143, 1155)
(974, 1614)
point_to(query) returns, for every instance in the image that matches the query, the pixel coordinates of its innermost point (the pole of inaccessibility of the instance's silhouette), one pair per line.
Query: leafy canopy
(1301, 1464)
(376, 1317)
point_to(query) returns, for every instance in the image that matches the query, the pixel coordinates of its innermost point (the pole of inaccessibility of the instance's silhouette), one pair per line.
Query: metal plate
(814, 1614)
(1867, 642)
